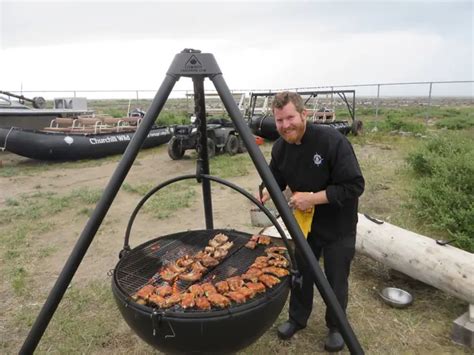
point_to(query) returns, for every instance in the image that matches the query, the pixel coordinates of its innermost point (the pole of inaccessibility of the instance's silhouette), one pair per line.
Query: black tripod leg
(262, 167)
(87, 235)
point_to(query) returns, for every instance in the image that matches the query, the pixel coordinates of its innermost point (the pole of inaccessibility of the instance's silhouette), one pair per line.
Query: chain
(197, 112)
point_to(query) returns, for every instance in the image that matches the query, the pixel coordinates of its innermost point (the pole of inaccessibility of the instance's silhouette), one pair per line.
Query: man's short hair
(283, 98)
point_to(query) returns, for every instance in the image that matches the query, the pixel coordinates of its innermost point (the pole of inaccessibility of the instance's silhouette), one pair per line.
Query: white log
(445, 267)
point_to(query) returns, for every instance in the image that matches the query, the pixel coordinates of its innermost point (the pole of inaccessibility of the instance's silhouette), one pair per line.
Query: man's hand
(307, 200)
(264, 197)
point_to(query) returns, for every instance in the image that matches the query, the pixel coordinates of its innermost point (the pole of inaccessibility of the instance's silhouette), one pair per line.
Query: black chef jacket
(324, 160)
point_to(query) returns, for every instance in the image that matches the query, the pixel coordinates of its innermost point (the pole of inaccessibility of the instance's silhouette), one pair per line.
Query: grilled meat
(222, 287)
(259, 265)
(209, 261)
(208, 288)
(175, 298)
(202, 303)
(221, 238)
(190, 276)
(184, 261)
(173, 267)
(269, 280)
(214, 243)
(176, 288)
(279, 262)
(254, 238)
(258, 287)
(219, 253)
(197, 290)
(218, 300)
(251, 244)
(247, 292)
(144, 293)
(277, 271)
(235, 282)
(164, 290)
(264, 240)
(168, 275)
(252, 274)
(261, 259)
(198, 267)
(277, 250)
(226, 246)
(209, 250)
(236, 296)
(157, 300)
(187, 300)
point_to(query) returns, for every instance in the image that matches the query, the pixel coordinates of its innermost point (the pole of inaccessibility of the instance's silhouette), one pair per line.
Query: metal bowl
(396, 297)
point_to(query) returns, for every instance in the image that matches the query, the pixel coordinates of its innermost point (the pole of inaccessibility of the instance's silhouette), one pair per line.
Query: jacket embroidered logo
(317, 159)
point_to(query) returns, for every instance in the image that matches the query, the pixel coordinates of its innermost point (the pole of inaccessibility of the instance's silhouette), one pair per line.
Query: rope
(6, 138)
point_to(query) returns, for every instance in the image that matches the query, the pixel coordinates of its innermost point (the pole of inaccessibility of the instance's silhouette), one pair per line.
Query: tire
(232, 145)
(175, 149)
(211, 148)
(242, 147)
(356, 128)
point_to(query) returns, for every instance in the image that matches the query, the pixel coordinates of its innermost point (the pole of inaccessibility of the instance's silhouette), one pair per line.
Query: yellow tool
(304, 219)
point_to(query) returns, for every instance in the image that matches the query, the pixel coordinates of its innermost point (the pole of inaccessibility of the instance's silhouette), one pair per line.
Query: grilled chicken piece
(261, 259)
(144, 293)
(236, 296)
(218, 300)
(175, 298)
(252, 274)
(190, 276)
(168, 275)
(214, 243)
(277, 250)
(226, 246)
(275, 256)
(247, 292)
(222, 287)
(269, 280)
(176, 289)
(187, 301)
(198, 267)
(235, 282)
(164, 290)
(264, 240)
(173, 267)
(209, 261)
(184, 261)
(259, 265)
(202, 303)
(200, 254)
(221, 238)
(157, 300)
(220, 253)
(196, 290)
(279, 262)
(209, 250)
(258, 287)
(277, 271)
(251, 244)
(208, 288)
(254, 238)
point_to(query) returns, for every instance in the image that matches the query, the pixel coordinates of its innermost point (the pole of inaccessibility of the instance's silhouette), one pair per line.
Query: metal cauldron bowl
(396, 297)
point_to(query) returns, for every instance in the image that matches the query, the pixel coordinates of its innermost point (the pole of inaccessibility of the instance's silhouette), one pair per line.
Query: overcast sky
(81, 45)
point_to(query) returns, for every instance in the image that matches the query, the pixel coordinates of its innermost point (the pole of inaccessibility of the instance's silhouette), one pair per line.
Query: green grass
(167, 201)
(225, 166)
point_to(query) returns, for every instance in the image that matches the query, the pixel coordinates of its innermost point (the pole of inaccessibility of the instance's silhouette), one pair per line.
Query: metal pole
(87, 235)
(203, 159)
(428, 111)
(264, 171)
(377, 101)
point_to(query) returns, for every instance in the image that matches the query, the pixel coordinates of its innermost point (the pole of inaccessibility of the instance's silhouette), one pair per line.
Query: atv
(221, 137)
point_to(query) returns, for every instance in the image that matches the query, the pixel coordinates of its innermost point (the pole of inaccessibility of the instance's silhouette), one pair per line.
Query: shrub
(167, 118)
(443, 194)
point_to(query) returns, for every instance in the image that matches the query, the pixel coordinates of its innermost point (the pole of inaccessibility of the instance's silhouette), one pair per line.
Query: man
(319, 166)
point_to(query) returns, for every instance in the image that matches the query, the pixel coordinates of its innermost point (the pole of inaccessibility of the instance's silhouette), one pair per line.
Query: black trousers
(337, 256)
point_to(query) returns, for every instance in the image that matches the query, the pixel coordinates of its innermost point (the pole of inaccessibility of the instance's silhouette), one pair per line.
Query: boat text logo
(193, 65)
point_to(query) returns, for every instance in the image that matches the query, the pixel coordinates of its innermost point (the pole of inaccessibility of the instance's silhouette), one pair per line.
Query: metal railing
(466, 91)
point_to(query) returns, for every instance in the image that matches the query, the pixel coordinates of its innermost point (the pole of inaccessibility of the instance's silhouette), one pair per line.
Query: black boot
(288, 329)
(334, 341)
